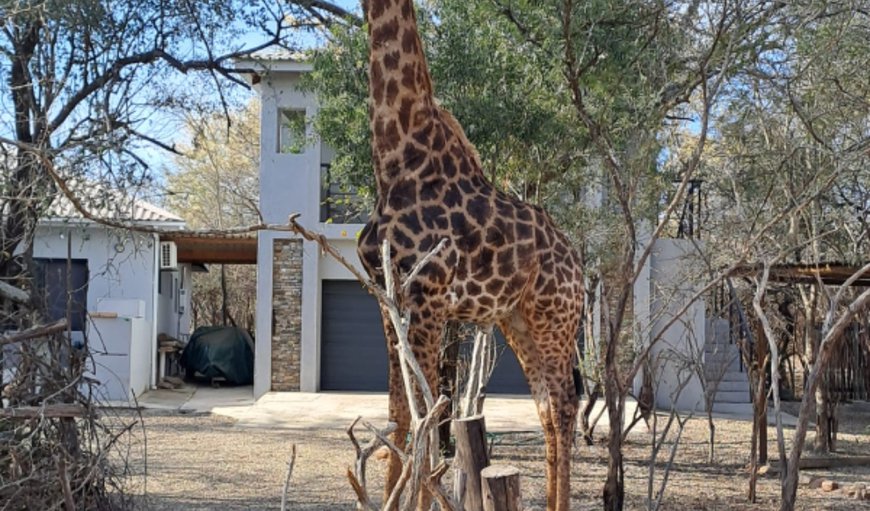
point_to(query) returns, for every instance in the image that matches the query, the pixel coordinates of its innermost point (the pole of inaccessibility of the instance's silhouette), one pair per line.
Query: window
(55, 281)
(291, 131)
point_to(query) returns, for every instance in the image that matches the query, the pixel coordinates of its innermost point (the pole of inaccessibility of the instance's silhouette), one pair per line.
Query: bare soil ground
(198, 462)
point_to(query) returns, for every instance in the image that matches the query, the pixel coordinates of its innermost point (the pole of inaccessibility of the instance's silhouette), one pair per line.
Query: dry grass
(206, 462)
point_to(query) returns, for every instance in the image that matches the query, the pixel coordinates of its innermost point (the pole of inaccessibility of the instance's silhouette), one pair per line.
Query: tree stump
(501, 488)
(471, 458)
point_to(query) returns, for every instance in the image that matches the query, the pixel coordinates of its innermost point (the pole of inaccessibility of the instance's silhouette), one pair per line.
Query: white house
(317, 328)
(127, 287)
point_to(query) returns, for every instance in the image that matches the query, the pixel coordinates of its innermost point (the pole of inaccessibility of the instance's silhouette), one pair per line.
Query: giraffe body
(505, 262)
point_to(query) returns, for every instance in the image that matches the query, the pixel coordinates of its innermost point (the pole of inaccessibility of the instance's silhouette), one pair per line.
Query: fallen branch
(13, 293)
(33, 332)
(357, 476)
(55, 411)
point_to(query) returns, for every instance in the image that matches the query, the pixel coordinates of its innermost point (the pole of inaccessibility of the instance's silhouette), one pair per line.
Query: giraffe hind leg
(547, 359)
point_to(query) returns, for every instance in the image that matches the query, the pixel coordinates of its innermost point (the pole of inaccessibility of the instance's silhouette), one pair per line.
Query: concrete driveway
(322, 410)
(336, 410)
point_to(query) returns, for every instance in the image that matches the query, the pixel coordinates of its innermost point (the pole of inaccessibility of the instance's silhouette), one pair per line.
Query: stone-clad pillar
(286, 314)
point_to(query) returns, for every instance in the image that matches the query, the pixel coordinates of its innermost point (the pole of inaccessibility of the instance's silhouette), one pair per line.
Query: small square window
(291, 131)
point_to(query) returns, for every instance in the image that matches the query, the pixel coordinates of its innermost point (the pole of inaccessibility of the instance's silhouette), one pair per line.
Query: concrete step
(733, 408)
(732, 396)
(717, 367)
(727, 376)
(717, 347)
(733, 385)
(720, 358)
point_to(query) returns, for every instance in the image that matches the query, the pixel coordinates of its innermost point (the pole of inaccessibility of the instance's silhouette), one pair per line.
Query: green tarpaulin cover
(217, 351)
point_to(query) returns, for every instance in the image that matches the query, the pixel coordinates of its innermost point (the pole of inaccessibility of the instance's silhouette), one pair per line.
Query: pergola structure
(212, 248)
(829, 273)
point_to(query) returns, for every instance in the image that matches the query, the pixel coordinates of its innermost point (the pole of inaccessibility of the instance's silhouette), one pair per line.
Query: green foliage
(340, 81)
(796, 128)
(215, 184)
(515, 114)
(790, 110)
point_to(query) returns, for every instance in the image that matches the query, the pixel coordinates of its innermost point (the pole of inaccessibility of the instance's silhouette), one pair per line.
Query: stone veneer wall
(286, 314)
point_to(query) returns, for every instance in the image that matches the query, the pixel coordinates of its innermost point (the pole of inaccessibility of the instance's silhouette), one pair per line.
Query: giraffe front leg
(424, 338)
(398, 412)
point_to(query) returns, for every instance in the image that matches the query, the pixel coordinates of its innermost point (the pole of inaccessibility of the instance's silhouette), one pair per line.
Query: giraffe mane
(454, 125)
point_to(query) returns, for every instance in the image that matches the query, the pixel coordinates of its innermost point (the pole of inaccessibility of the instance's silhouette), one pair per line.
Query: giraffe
(505, 262)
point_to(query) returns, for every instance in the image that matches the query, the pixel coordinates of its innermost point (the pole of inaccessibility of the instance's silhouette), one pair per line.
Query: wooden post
(471, 458)
(501, 488)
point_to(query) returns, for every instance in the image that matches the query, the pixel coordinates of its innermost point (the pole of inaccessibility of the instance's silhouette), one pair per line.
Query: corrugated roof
(108, 204)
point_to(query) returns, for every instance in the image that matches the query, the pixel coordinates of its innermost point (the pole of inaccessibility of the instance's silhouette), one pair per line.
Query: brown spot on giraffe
(505, 262)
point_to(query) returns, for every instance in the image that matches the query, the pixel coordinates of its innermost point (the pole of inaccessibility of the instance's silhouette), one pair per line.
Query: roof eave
(84, 222)
(254, 69)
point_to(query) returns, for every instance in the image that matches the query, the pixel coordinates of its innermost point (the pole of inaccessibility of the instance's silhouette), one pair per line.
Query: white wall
(263, 320)
(120, 362)
(120, 263)
(121, 270)
(289, 183)
(672, 274)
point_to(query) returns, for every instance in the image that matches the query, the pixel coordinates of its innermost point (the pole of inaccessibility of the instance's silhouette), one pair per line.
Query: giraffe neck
(396, 53)
(400, 88)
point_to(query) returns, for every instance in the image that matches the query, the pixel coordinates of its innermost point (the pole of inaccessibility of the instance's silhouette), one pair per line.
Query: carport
(201, 248)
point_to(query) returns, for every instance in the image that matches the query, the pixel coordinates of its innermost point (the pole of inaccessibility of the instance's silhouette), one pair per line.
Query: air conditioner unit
(168, 255)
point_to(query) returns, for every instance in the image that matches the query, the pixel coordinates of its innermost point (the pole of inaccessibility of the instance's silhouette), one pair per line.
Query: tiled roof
(108, 204)
(277, 53)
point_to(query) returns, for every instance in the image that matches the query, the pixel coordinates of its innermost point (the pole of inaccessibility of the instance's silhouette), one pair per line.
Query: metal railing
(689, 225)
(339, 206)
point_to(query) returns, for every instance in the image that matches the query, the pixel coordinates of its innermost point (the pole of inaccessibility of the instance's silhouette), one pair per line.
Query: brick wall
(286, 314)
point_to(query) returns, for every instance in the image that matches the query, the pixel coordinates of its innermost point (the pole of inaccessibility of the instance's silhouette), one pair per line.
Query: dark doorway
(62, 282)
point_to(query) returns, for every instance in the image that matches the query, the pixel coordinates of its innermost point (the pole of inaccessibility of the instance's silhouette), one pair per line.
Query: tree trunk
(753, 460)
(586, 428)
(614, 486)
(471, 458)
(501, 488)
(711, 428)
(823, 431)
(759, 402)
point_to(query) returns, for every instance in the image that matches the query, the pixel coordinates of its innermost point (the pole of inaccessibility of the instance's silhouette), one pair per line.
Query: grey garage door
(353, 352)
